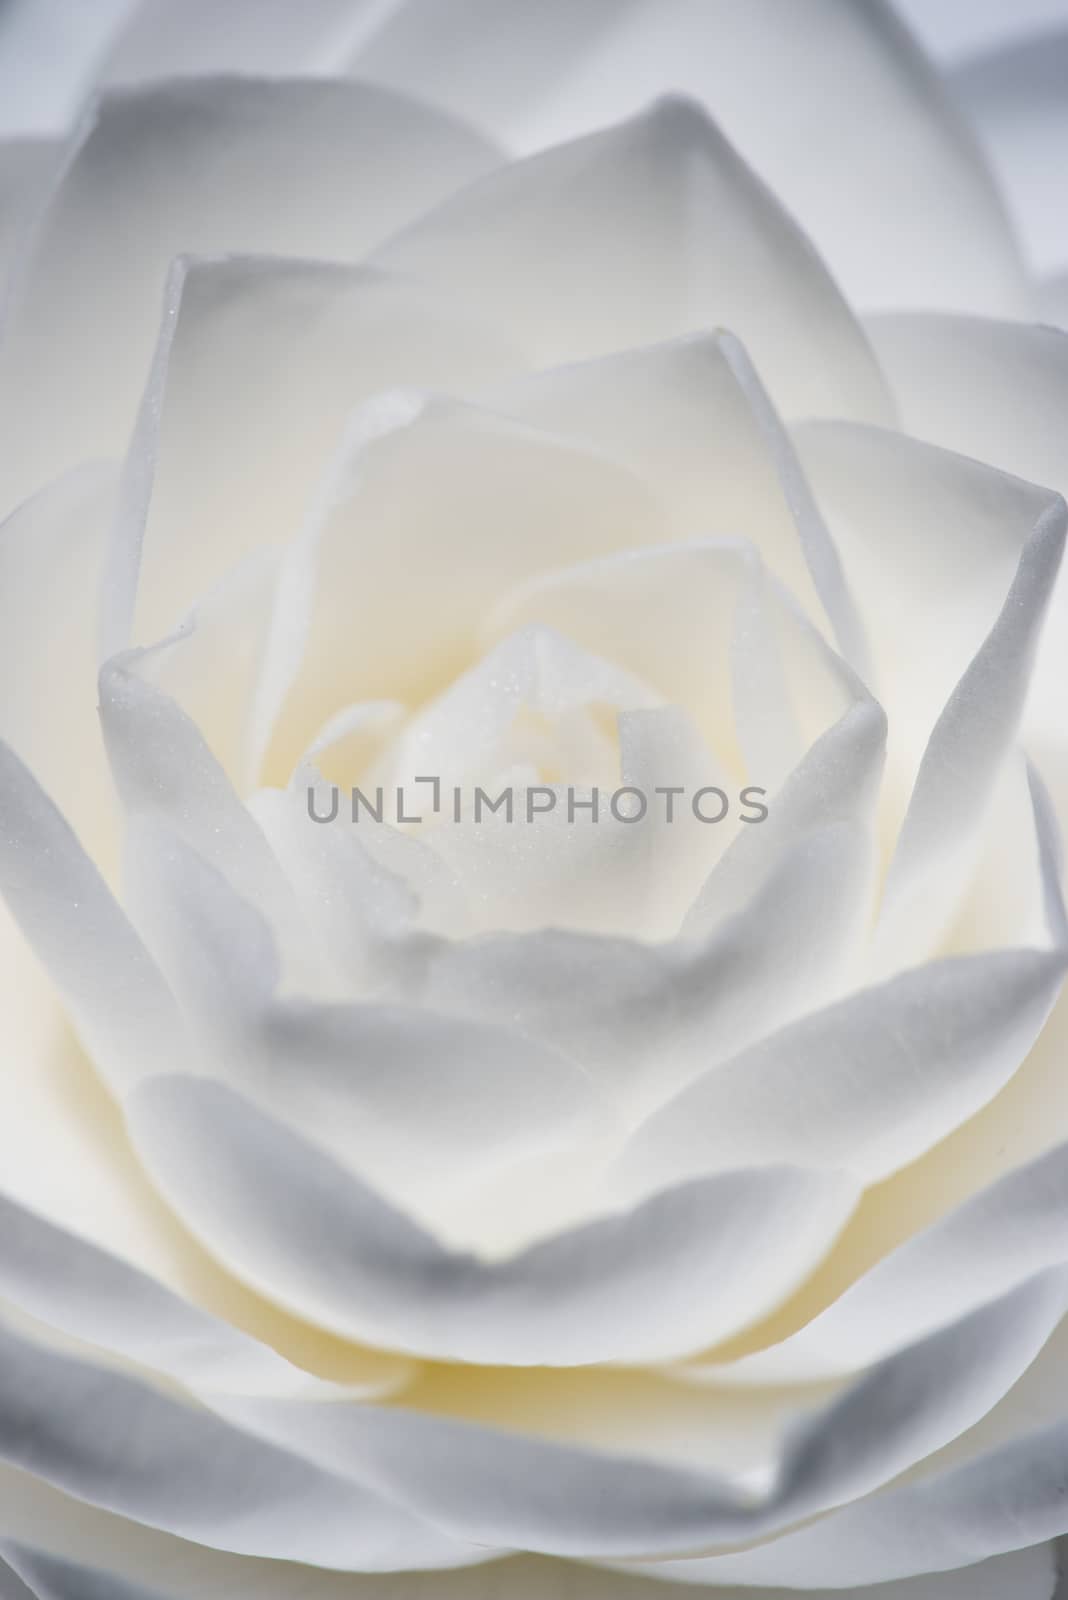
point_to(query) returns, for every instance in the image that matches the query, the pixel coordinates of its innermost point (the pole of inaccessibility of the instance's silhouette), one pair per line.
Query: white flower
(430, 400)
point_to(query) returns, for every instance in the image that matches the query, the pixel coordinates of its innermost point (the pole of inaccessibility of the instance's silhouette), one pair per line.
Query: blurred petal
(648, 230)
(51, 569)
(1015, 101)
(951, 33)
(195, 165)
(261, 38)
(1027, 1575)
(26, 169)
(830, 99)
(49, 53)
(1053, 300)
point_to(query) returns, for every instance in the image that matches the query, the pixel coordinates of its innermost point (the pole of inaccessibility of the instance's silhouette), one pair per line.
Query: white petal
(497, 1489)
(984, 1249)
(953, 33)
(72, 1541)
(836, 781)
(997, 391)
(993, 390)
(650, 229)
(265, 38)
(646, 1019)
(833, 104)
(259, 363)
(1014, 98)
(1053, 300)
(1027, 1575)
(97, 1299)
(49, 52)
(121, 1006)
(418, 1104)
(51, 569)
(196, 165)
(866, 1085)
(960, 766)
(926, 534)
(634, 1286)
(67, 1159)
(128, 1448)
(373, 891)
(693, 418)
(211, 665)
(1008, 1501)
(165, 771)
(429, 521)
(26, 168)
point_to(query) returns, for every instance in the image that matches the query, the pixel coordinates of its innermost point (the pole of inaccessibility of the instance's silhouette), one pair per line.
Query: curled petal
(344, 1257)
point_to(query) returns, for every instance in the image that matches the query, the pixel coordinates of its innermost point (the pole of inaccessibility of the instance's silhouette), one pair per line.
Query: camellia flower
(528, 806)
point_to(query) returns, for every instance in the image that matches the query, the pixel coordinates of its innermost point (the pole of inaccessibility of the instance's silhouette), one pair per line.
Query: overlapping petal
(196, 165)
(648, 230)
(832, 100)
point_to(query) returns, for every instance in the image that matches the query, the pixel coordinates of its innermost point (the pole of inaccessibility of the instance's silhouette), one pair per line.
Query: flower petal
(300, 168)
(26, 167)
(1010, 1500)
(865, 1085)
(1027, 1575)
(260, 38)
(646, 1019)
(997, 391)
(499, 1487)
(693, 417)
(637, 1286)
(982, 1250)
(97, 1299)
(49, 50)
(1014, 99)
(437, 509)
(164, 770)
(426, 1107)
(650, 229)
(72, 1541)
(833, 103)
(124, 1446)
(260, 361)
(960, 766)
(51, 568)
(120, 1004)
